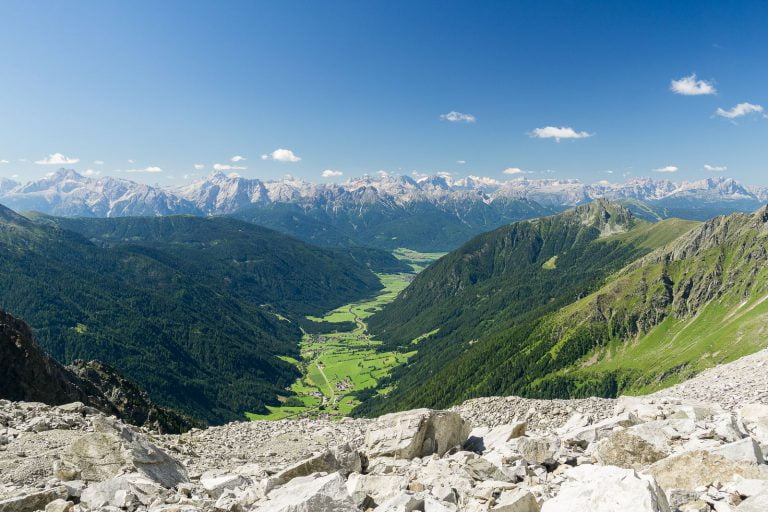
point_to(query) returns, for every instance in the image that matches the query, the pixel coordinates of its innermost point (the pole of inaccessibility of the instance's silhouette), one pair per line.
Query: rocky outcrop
(418, 433)
(29, 374)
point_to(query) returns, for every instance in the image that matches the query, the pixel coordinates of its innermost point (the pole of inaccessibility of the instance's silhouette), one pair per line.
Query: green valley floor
(335, 365)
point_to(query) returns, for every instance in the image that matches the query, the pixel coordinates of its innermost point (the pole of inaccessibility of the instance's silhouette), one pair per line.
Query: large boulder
(30, 502)
(697, 468)
(744, 450)
(755, 419)
(627, 450)
(607, 489)
(313, 493)
(343, 459)
(121, 491)
(116, 449)
(583, 436)
(416, 433)
(375, 489)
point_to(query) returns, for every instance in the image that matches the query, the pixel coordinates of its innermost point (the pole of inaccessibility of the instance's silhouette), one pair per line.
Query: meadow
(335, 365)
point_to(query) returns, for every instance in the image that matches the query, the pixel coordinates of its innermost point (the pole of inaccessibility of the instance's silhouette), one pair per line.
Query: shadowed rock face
(31, 375)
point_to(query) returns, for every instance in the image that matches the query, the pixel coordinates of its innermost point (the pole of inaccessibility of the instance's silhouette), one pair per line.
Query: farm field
(337, 365)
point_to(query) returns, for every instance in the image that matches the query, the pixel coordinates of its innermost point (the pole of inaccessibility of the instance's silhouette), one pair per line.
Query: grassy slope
(453, 365)
(716, 311)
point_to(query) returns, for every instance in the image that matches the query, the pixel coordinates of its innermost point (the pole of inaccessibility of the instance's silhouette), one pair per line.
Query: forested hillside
(193, 309)
(692, 304)
(427, 226)
(499, 283)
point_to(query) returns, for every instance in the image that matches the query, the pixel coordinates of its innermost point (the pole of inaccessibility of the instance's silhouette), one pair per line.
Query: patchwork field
(336, 366)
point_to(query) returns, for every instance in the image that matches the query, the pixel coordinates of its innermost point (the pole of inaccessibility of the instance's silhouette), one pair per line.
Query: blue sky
(357, 87)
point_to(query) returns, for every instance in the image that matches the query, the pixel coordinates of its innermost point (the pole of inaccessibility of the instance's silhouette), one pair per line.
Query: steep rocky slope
(662, 453)
(29, 374)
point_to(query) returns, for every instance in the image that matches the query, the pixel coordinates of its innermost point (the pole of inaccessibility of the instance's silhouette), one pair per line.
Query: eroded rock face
(417, 433)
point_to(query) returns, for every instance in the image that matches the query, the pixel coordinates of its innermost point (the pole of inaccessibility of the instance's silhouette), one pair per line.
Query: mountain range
(433, 213)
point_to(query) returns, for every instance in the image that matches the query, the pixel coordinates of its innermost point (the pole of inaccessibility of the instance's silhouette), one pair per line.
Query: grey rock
(118, 449)
(745, 450)
(313, 493)
(416, 433)
(607, 489)
(32, 501)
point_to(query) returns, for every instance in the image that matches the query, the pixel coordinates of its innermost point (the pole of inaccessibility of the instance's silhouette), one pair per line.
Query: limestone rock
(404, 502)
(342, 459)
(59, 505)
(313, 493)
(375, 488)
(118, 449)
(483, 439)
(745, 450)
(417, 433)
(216, 482)
(519, 500)
(607, 489)
(538, 450)
(32, 501)
(627, 450)
(121, 490)
(756, 503)
(693, 469)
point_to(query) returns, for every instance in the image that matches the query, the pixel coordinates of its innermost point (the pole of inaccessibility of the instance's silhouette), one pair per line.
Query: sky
(161, 92)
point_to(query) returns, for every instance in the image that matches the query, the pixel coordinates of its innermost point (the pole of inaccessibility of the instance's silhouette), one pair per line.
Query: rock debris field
(698, 446)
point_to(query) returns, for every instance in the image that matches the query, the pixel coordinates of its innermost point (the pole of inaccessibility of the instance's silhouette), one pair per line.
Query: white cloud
(691, 86)
(484, 180)
(131, 161)
(98, 162)
(57, 159)
(564, 132)
(199, 167)
(667, 168)
(458, 117)
(609, 172)
(227, 167)
(91, 172)
(461, 162)
(330, 173)
(237, 158)
(740, 110)
(715, 168)
(233, 175)
(14, 176)
(152, 169)
(281, 155)
(513, 170)
(4, 162)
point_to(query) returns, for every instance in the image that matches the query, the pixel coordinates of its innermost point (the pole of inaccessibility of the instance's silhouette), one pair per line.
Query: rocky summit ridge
(699, 446)
(69, 193)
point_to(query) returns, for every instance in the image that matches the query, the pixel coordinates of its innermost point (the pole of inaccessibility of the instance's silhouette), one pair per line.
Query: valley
(338, 367)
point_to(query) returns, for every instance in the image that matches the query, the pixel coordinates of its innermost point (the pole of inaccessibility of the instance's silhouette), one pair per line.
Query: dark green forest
(195, 310)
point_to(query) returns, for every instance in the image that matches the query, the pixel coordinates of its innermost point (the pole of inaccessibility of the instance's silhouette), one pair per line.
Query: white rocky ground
(696, 447)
